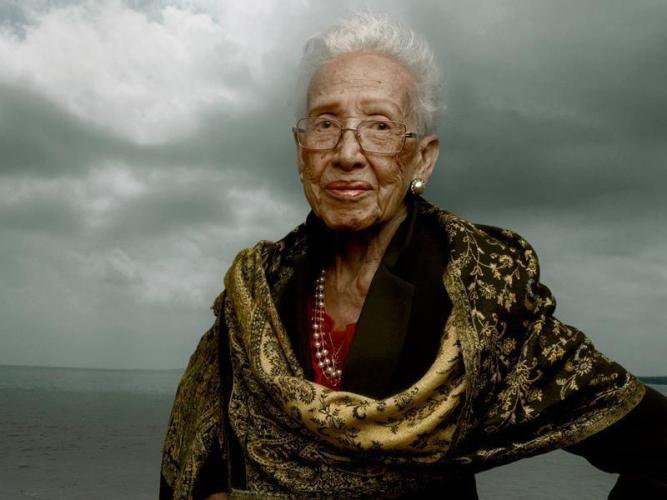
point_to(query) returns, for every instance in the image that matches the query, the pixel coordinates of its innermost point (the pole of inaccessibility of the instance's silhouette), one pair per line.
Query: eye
(323, 124)
(382, 126)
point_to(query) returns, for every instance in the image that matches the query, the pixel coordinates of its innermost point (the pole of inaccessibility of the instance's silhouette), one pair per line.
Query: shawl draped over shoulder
(527, 383)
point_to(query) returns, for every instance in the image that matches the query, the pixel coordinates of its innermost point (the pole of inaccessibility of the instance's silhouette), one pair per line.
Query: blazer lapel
(400, 327)
(380, 334)
(383, 324)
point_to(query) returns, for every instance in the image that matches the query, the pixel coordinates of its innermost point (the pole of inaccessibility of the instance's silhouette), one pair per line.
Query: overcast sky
(143, 144)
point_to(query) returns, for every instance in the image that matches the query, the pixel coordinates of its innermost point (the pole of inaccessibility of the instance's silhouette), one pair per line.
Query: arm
(212, 483)
(194, 455)
(214, 480)
(634, 447)
(549, 386)
(210, 486)
(601, 411)
(213, 476)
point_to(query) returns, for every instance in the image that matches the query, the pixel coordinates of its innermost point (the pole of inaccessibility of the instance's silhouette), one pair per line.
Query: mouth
(348, 190)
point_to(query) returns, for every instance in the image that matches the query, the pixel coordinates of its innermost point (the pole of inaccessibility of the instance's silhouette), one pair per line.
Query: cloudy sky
(143, 143)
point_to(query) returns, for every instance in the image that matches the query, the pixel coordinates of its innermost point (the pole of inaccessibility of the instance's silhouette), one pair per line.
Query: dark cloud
(38, 137)
(51, 214)
(555, 128)
(187, 204)
(13, 18)
(553, 103)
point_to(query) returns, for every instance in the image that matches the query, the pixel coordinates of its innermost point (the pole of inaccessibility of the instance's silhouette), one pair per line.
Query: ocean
(81, 434)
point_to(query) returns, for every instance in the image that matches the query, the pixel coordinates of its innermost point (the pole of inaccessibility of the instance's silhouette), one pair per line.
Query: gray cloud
(126, 191)
(186, 204)
(55, 215)
(554, 106)
(39, 137)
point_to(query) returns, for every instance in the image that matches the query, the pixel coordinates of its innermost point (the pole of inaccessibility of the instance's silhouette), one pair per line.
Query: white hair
(381, 33)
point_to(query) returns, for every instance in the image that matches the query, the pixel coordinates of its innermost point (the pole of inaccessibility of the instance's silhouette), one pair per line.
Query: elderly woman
(386, 347)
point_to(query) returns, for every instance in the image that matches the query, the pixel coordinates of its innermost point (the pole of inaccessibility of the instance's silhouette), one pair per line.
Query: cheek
(313, 166)
(393, 179)
(393, 173)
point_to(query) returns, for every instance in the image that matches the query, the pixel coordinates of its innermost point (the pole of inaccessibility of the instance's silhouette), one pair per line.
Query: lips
(349, 186)
(348, 190)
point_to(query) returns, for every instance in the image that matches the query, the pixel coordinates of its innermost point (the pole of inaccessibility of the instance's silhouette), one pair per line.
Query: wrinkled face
(346, 187)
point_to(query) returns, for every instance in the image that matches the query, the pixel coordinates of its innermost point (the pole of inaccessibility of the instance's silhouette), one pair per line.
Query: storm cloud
(144, 143)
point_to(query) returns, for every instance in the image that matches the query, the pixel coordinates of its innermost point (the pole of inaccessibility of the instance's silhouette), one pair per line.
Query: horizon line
(94, 368)
(178, 369)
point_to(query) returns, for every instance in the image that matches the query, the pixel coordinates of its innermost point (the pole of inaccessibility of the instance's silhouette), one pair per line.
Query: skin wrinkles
(351, 88)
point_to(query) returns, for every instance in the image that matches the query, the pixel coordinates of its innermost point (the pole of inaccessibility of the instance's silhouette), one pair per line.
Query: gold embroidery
(527, 375)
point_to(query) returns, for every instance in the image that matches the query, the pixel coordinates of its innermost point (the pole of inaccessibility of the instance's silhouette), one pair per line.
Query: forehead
(361, 77)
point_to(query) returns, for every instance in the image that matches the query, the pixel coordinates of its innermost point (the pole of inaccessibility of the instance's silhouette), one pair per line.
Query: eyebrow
(370, 106)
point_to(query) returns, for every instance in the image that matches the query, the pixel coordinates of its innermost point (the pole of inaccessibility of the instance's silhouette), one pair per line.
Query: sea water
(81, 434)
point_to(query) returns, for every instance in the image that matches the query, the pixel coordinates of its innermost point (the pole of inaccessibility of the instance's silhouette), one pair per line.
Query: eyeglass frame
(406, 135)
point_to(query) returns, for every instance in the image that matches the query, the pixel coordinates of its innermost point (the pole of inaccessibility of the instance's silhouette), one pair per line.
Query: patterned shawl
(531, 384)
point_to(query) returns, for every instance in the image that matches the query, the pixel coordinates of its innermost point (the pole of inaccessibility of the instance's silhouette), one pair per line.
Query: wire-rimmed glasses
(374, 136)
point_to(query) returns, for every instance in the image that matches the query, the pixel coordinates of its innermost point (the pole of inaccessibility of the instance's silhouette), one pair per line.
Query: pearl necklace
(324, 361)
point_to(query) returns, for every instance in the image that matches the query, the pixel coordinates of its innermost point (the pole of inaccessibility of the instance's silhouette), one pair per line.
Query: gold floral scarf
(527, 383)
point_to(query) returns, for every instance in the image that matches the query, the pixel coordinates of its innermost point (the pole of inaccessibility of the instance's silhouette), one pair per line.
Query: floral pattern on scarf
(510, 381)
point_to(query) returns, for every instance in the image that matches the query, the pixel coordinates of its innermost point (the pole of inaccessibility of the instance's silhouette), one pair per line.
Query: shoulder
(484, 240)
(272, 261)
(275, 253)
(505, 238)
(494, 268)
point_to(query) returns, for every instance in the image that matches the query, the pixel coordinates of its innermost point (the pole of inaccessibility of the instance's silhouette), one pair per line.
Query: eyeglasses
(374, 136)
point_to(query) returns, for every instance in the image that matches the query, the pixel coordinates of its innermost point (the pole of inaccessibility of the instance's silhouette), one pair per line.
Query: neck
(358, 255)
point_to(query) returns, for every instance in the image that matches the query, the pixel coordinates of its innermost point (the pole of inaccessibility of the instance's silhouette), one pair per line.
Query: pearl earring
(417, 186)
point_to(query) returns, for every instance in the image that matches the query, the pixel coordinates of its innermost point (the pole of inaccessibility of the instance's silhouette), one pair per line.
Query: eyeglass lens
(378, 136)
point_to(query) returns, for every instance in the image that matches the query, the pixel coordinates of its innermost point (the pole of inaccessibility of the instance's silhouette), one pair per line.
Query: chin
(342, 215)
(347, 220)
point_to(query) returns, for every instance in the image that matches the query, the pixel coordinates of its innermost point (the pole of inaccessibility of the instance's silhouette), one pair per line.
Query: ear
(427, 153)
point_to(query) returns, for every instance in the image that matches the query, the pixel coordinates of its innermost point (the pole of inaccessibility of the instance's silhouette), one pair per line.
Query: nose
(348, 151)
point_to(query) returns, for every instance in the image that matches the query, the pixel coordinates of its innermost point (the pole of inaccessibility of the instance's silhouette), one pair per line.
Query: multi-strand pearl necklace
(326, 362)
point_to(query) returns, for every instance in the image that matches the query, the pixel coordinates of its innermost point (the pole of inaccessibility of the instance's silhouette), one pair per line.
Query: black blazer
(396, 341)
(403, 316)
